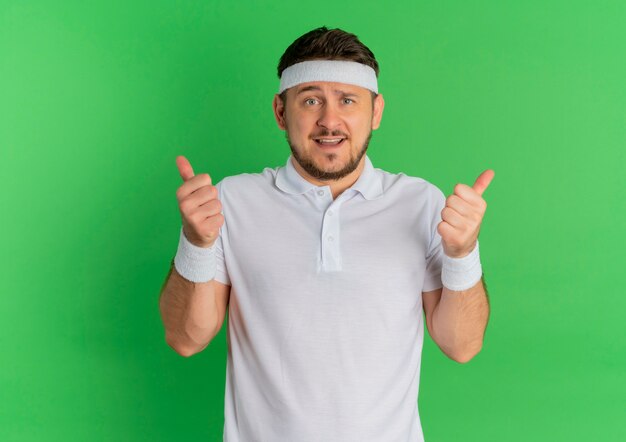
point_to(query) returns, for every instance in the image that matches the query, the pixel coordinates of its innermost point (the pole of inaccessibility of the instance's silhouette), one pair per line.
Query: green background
(98, 98)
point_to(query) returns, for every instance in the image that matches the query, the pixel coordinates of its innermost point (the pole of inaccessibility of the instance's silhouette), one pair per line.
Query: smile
(329, 142)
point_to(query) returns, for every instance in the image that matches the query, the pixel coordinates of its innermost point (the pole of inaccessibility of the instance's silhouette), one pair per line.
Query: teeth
(333, 141)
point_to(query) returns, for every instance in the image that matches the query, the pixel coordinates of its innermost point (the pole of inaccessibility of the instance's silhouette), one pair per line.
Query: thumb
(483, 181)
(184, 168)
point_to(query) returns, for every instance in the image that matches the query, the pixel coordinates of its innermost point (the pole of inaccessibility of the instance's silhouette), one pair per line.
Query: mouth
(329, 143)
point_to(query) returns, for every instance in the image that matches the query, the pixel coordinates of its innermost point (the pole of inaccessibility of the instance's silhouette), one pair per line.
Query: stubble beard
(309, 166)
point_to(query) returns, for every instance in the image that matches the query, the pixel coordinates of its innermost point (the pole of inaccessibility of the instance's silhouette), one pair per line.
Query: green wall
(98, 98)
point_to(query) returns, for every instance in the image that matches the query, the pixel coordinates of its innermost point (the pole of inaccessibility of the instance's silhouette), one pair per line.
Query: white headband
(340, 71)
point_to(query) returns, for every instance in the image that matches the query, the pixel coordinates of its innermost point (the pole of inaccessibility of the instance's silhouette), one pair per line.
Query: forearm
(459, 321)
(189, 313)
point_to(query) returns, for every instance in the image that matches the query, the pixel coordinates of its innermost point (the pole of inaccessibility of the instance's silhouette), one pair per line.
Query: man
(325, 265)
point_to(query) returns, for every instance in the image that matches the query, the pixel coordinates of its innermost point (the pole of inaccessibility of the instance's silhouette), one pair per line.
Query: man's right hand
(199, 206)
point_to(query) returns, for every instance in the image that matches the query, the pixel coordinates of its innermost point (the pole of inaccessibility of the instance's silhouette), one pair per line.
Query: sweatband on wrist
(461, 273)
(339, 71)
(195, 264)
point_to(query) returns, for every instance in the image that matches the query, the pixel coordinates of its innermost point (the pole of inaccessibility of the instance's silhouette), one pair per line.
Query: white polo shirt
(325, 319)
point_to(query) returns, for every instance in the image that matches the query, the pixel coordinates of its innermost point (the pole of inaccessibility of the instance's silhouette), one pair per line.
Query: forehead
(330, 87)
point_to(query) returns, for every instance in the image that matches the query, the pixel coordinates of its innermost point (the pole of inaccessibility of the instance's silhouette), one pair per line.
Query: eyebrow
(317, 88)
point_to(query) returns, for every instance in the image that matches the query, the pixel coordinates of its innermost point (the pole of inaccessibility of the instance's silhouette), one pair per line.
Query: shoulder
(246, 185)
(411, 186)
(243, 180)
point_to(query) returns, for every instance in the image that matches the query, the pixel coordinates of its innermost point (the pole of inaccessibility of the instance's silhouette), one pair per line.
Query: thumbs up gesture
(199, 206)
(462, 216)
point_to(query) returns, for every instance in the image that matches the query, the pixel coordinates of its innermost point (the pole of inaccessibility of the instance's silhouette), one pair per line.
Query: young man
(326, 265)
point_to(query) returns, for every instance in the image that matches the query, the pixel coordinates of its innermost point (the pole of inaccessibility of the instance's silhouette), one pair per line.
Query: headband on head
(340, 71)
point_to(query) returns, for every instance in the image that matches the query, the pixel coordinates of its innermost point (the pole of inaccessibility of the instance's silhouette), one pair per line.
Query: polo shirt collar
(369, 183)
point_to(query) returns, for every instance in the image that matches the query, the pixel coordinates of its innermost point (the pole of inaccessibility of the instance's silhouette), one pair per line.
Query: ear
(377, 115)
(279, 112)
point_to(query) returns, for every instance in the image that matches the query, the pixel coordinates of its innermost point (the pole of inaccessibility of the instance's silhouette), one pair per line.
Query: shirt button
(330, 212)
(320, 192)
(330, 238)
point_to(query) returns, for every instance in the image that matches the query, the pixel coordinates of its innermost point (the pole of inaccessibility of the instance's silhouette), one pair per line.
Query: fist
(463, 215)
(199, 206)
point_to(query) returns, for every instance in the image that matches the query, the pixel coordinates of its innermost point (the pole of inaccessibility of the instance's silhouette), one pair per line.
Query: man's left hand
(462, 216)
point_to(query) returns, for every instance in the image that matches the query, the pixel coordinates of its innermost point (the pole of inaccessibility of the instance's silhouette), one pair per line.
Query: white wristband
(195, 264)
(461, 273)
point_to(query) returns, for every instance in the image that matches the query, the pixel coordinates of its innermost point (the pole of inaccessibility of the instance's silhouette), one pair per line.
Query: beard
(309, 166)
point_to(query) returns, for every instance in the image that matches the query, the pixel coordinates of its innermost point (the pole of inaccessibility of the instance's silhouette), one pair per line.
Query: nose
(329, 117)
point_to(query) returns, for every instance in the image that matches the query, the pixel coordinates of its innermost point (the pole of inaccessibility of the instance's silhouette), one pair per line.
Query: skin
(333, 109)
(456, 320)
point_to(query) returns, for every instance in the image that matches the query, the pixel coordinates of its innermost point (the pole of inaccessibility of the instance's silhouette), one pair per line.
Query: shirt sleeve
(221, 272)
(434, 254)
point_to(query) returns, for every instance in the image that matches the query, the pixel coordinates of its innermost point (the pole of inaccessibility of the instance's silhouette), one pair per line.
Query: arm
(192, 313)
(457, 320)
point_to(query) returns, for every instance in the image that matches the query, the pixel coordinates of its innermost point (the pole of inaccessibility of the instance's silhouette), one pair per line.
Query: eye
(308, 100)
(348, 99)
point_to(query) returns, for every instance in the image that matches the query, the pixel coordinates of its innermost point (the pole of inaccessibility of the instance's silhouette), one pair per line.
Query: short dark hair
(327, 44)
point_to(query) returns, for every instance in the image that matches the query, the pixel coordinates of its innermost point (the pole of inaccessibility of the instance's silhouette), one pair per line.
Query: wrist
(196, 264)
(461, 273)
